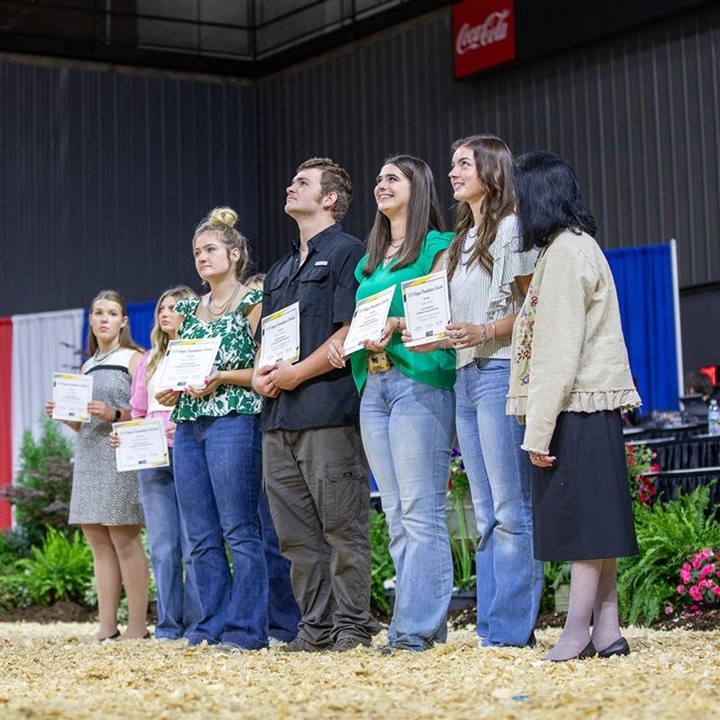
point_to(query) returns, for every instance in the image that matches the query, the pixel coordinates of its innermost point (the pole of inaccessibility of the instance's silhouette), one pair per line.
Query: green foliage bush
(668, 533)
(41, 493)
(382, 568)
(61, 569)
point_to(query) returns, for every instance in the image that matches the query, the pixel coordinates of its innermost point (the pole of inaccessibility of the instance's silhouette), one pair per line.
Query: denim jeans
(178, 608)
(217, 475)
(408, 430)
(283, 610)
(509, 579)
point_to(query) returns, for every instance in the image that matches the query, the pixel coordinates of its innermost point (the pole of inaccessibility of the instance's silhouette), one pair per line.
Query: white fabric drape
(43, 343)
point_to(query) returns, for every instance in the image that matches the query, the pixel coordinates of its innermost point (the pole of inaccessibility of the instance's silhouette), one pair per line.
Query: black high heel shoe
(114, 636)
(619, 647)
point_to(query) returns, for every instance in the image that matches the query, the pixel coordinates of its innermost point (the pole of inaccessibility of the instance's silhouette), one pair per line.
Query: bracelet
(494, 329)
(483, 333)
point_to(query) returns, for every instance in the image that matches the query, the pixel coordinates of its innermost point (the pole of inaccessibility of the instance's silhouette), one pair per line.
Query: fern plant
(61, 569)
(667, 534)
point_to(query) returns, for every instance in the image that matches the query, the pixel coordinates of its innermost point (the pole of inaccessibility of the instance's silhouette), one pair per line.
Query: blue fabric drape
(141, 317)
(643, 277)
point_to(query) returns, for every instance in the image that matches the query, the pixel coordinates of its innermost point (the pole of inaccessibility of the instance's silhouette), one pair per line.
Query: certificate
(368, 320)
(427, 308)
(280, 336)
(188, 363)
(71, 395)
(142, 445)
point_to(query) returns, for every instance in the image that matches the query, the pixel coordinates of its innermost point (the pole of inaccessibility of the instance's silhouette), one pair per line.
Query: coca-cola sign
(484, 34)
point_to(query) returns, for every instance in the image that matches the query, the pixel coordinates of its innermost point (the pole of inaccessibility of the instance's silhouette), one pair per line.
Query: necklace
(102, 358)
(468, 242)
(388, 258)
(222, 309)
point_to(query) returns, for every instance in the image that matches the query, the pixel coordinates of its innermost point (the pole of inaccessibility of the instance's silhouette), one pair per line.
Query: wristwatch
(118, 415)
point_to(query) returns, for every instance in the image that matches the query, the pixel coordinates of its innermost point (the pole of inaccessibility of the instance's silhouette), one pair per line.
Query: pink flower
(702, 584)
(695, 593)
(681, 589)
(696, 563)
(669, 610)
(707, 570)
(685, 576)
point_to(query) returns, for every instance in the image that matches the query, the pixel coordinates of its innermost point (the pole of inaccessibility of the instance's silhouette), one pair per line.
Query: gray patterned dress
(100, 494)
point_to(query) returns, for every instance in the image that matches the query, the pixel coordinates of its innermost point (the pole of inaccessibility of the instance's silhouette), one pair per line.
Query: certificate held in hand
(188, 363)
(368, 320)
(427, 307)
(71, 395)
(280, 336)
(142, 445)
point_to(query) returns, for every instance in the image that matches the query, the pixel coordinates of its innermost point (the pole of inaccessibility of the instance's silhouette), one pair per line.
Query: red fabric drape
(6, 459)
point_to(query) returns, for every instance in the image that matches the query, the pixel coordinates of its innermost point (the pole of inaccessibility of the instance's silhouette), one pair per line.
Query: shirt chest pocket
(314, 291)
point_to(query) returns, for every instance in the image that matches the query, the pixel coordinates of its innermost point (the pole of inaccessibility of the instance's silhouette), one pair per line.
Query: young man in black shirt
(313, 462)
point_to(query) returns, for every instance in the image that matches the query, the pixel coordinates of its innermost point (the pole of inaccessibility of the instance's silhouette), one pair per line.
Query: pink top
(142, 395)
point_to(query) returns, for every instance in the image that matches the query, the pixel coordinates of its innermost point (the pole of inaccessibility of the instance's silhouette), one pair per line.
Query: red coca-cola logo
(484, 34)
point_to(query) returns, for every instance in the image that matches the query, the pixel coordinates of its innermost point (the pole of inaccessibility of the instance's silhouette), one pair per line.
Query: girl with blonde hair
(177, 605)
(218, 445)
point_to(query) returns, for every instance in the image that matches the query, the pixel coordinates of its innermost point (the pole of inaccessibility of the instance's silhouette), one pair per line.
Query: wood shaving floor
(60, 671)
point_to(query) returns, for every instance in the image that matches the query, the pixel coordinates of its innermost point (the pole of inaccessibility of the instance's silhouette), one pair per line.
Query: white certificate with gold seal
(280, 336)
(188, 363)
(427, 307)
(142, 445)
(368, 320)
(71, 395)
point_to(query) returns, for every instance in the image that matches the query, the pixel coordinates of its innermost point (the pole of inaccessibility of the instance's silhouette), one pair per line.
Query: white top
(119, 358)
(477, 297)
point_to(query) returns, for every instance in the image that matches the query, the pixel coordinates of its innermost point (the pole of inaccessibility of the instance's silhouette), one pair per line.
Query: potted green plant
(462, 533)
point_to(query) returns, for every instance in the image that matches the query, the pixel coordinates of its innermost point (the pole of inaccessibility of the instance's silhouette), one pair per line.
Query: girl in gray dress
(104, 502)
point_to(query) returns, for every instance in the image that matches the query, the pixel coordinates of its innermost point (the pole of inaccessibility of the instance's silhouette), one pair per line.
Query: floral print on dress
(526, 326)
(237, 352)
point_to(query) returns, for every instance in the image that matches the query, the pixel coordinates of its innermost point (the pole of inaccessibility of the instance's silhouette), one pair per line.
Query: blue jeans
(217, 476)
(407, 430)
(178, 608)
(509, 579)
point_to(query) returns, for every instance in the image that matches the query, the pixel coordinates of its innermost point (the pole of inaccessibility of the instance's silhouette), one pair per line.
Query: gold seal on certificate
(142, 445)
(280, 336)
(368, 320)
(188, 363)
(427, 307)
(71, 395)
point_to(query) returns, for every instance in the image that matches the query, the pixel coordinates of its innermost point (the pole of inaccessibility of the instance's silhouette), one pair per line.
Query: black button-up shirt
(325, 287)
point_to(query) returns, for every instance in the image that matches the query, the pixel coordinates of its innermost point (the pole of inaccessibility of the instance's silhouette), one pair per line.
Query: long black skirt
(581, 505)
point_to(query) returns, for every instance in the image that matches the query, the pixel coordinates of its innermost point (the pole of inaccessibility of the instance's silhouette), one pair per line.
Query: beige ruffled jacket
(568, 351)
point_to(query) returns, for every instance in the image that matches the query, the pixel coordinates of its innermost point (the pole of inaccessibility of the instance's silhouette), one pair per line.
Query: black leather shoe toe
(619, 647)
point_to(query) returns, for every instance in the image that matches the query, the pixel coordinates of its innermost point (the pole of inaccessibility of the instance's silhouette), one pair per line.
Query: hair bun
(223, 216)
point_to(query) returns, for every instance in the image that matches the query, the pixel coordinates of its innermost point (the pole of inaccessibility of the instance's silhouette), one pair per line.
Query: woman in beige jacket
(570, 380)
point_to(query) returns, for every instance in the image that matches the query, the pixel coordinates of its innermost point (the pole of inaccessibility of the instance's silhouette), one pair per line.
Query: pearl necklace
(99, 359)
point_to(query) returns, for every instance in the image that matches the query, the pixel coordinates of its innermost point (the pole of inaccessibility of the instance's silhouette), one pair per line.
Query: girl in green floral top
(217, 445)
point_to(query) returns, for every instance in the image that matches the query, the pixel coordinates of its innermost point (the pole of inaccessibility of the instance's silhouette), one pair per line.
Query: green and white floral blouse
(237, 352)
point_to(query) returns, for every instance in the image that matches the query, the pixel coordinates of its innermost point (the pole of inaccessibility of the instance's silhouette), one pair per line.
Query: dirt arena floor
(59, 671)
